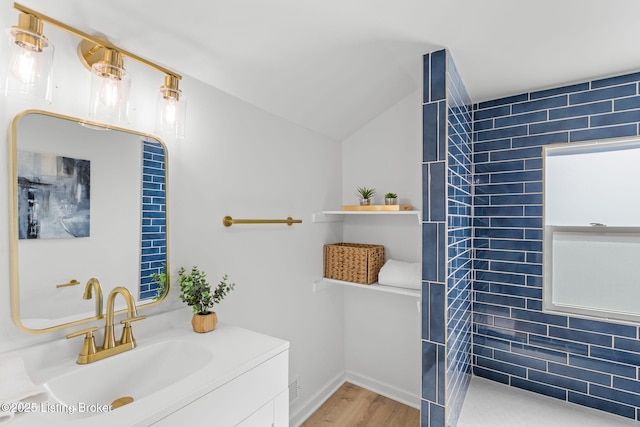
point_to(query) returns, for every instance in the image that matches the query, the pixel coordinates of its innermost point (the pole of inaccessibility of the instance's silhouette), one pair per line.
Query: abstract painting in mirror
(53, 196)
(85, 203)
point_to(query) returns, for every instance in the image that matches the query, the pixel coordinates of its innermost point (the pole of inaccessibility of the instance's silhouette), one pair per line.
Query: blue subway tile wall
(447, 241)
(154, 221)
(459, 242)
(589, 362)
(434, 246)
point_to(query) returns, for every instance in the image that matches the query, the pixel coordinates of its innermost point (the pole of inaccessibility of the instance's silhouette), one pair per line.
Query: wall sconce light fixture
(30, 59)
(110, 82)
(171, 108)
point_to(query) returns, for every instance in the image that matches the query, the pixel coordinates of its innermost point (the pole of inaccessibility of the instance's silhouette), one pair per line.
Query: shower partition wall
(447, 241)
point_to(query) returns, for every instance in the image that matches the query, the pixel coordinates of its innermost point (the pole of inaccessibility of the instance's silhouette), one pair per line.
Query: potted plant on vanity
(198, 293)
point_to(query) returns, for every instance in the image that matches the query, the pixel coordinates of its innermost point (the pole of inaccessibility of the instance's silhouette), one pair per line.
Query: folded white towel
(15, 385)
(400, 274)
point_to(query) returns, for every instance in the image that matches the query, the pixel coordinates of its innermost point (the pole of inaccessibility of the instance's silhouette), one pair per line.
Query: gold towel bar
(228, 221)
(73, 282)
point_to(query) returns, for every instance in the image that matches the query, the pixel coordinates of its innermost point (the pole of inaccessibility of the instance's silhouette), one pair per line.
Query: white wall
(236, 160)
(248, 164)
(385, 155)
(382, 331)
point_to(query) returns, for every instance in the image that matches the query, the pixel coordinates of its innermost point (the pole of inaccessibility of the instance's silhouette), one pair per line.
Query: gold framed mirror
(85, 203)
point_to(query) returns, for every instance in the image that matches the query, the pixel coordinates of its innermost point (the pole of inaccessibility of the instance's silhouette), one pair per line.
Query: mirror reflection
(87, 204)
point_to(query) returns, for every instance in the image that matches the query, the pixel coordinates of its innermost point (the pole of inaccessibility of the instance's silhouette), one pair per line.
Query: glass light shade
(109, 100)
(171, 109)
(30, 65)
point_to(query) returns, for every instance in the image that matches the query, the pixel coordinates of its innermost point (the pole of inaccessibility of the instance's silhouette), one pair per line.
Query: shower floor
(491, 404)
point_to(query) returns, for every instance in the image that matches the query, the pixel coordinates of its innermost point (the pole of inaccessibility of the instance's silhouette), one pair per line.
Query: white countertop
(235, 351)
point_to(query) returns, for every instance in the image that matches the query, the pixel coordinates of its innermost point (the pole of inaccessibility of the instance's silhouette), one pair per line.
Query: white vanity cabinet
(256, 398)
(225, 378)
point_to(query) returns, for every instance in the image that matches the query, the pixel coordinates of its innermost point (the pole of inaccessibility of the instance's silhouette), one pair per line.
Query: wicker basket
(353, 262)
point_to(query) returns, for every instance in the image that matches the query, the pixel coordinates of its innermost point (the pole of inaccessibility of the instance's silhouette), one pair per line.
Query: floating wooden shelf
(333, 216)
(377, 208)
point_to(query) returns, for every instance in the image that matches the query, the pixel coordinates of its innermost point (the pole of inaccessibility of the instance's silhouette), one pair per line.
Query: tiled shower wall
(447, 242)
(589, 362)
(459, 242)
(593, 363)
(434, 202)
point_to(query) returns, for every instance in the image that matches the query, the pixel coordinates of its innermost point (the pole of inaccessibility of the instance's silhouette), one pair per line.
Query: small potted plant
(197, 293)
(390, 199)
(365, 195)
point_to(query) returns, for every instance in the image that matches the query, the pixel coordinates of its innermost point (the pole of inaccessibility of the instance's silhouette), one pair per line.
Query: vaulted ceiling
(333, 65)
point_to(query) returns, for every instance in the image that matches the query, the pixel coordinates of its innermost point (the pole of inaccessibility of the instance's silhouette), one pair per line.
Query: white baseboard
(307, 409)
(384, 389)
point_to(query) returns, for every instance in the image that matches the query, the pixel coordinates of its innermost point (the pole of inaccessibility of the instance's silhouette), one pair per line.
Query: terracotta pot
(204, 322)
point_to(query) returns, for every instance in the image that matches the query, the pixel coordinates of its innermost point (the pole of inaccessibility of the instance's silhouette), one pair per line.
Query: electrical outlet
(294, 389)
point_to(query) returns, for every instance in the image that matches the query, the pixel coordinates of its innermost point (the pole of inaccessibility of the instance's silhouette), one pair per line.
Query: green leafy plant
(391, 196)
(161, 280)
(197, 292)
(366, 193)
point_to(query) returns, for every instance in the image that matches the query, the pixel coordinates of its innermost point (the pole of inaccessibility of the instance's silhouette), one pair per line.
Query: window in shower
(591, 263)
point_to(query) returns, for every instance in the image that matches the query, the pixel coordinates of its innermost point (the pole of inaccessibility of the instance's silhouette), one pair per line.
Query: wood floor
(353, 406)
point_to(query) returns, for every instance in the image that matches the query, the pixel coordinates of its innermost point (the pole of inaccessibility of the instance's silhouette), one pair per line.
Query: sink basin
(136, 374)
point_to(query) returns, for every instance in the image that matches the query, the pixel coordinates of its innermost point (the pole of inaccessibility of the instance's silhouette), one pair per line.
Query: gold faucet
(93, 287)
(109, 339)
(90, 353)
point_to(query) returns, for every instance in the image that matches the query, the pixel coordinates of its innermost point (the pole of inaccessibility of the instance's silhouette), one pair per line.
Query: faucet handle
(89, 344)
(129, 320)
(89, 332)
(127, 332)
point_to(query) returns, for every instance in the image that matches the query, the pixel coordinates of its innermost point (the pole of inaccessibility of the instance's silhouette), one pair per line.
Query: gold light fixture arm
(97, 41)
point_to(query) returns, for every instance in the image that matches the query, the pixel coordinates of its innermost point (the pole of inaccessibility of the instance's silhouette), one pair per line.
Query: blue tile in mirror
(153, 257)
